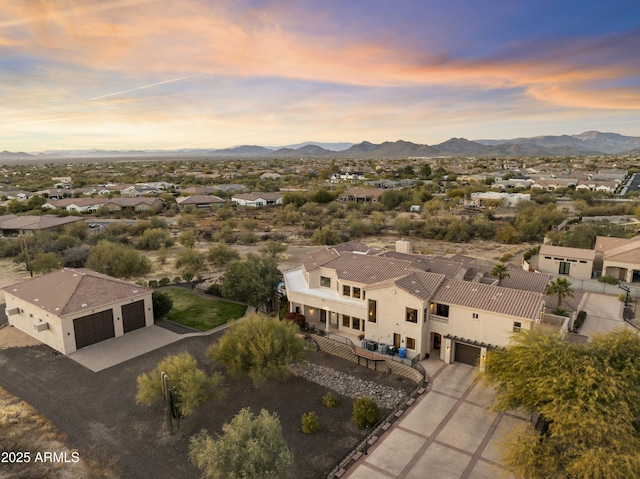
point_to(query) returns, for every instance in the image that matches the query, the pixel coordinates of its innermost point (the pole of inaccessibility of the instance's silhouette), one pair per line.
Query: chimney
(403, 246)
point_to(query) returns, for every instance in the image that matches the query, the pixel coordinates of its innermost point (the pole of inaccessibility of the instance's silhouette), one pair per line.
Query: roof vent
(84, 305)
(36, 300)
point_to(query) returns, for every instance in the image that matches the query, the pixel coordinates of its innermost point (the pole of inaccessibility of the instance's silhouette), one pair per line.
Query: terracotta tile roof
(628, 253)
(421, 285)
(497, 299)
(354, 246)
(606, 243)
(125, 202)
(570, 303)
(198, 199)
(267, 196)
(526, 280)
(70, 291)
(426, 263)
(77, 201)
(35, 222)
(318, 258)
(366, 269)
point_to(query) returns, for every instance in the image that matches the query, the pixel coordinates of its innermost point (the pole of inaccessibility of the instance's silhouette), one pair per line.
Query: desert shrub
(330, 400)
(577, 324)
(261, 346)
(213, 290)
(310, 423)
(177, 280)
(162, 304)
(622, 297)
(608, 279)
(531, 252)
(193, 385)
(365, 412)
(325, 236)
(153, 283)
(248, 238)
(164, 281)
(296, 318)
(505, 257)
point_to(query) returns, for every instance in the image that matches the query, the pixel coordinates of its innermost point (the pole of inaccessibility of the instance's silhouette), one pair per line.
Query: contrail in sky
(71, 12)
(144, 86)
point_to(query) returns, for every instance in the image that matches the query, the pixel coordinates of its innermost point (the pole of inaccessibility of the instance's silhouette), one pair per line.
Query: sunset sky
(165, 74)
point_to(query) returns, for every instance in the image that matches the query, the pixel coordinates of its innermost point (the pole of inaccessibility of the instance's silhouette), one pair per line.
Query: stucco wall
(577, 270)
(60, 334)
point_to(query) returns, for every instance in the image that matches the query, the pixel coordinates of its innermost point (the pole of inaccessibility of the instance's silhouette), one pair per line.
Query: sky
(169, 74)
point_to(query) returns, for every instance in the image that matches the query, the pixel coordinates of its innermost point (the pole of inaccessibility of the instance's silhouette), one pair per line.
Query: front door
(396, 341)
(323, 316)
(437, 339)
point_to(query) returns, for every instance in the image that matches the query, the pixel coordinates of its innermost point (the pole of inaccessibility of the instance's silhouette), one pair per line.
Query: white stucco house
(70, 309)
(255, 200)
(507, 200)
(426, 305)
(573, 262)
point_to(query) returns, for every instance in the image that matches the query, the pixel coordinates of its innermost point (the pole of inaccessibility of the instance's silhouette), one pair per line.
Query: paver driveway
(449, 433)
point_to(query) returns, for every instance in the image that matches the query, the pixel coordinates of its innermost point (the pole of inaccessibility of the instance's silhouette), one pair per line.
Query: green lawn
(200, 313)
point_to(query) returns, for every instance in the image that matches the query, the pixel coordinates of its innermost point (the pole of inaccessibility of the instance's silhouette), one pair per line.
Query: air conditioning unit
(11, 311)
(41, 326)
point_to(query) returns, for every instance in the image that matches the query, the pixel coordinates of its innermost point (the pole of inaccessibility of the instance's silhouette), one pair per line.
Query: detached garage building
(74, 308)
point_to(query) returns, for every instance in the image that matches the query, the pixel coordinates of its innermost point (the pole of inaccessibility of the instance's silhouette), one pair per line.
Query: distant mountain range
(584, 144)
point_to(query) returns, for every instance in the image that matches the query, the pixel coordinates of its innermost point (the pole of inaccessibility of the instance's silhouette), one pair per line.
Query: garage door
(93, 328)
(467, 354)
(133, 316)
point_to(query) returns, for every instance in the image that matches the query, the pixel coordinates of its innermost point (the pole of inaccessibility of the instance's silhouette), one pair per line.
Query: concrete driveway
(604, 314)
(449, 433)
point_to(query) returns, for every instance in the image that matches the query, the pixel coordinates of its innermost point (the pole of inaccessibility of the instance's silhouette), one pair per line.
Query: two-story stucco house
(421, 304)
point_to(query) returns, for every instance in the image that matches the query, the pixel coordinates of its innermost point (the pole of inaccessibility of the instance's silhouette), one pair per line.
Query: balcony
(439, 319)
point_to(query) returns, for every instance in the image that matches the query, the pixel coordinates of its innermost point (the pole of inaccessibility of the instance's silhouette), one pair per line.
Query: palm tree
(500, 271)
(561, 288)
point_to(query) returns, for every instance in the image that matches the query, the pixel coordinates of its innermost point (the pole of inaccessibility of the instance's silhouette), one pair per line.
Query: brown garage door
(467, 354)
(93, 328)
(133, 316)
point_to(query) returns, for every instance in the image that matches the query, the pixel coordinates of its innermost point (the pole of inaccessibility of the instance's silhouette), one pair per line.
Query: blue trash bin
(402, 353)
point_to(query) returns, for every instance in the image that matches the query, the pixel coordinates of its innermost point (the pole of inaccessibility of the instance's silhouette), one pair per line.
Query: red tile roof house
(74, 308)
(14, 225)
(408, 301)
(199, 202)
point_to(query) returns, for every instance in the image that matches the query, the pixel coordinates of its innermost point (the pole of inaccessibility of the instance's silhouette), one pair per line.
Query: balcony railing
(438, 319)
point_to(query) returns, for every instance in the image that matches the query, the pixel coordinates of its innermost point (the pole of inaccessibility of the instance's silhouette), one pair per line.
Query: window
(346, 321)
(356, 324)
(424, 318)
(442, 310)
(411, 343)
(356, 292)
(476, 316)
(517, 326)
(373, 313)
(346, 290)
(325, 282)
(411, 315)
(564, 267)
